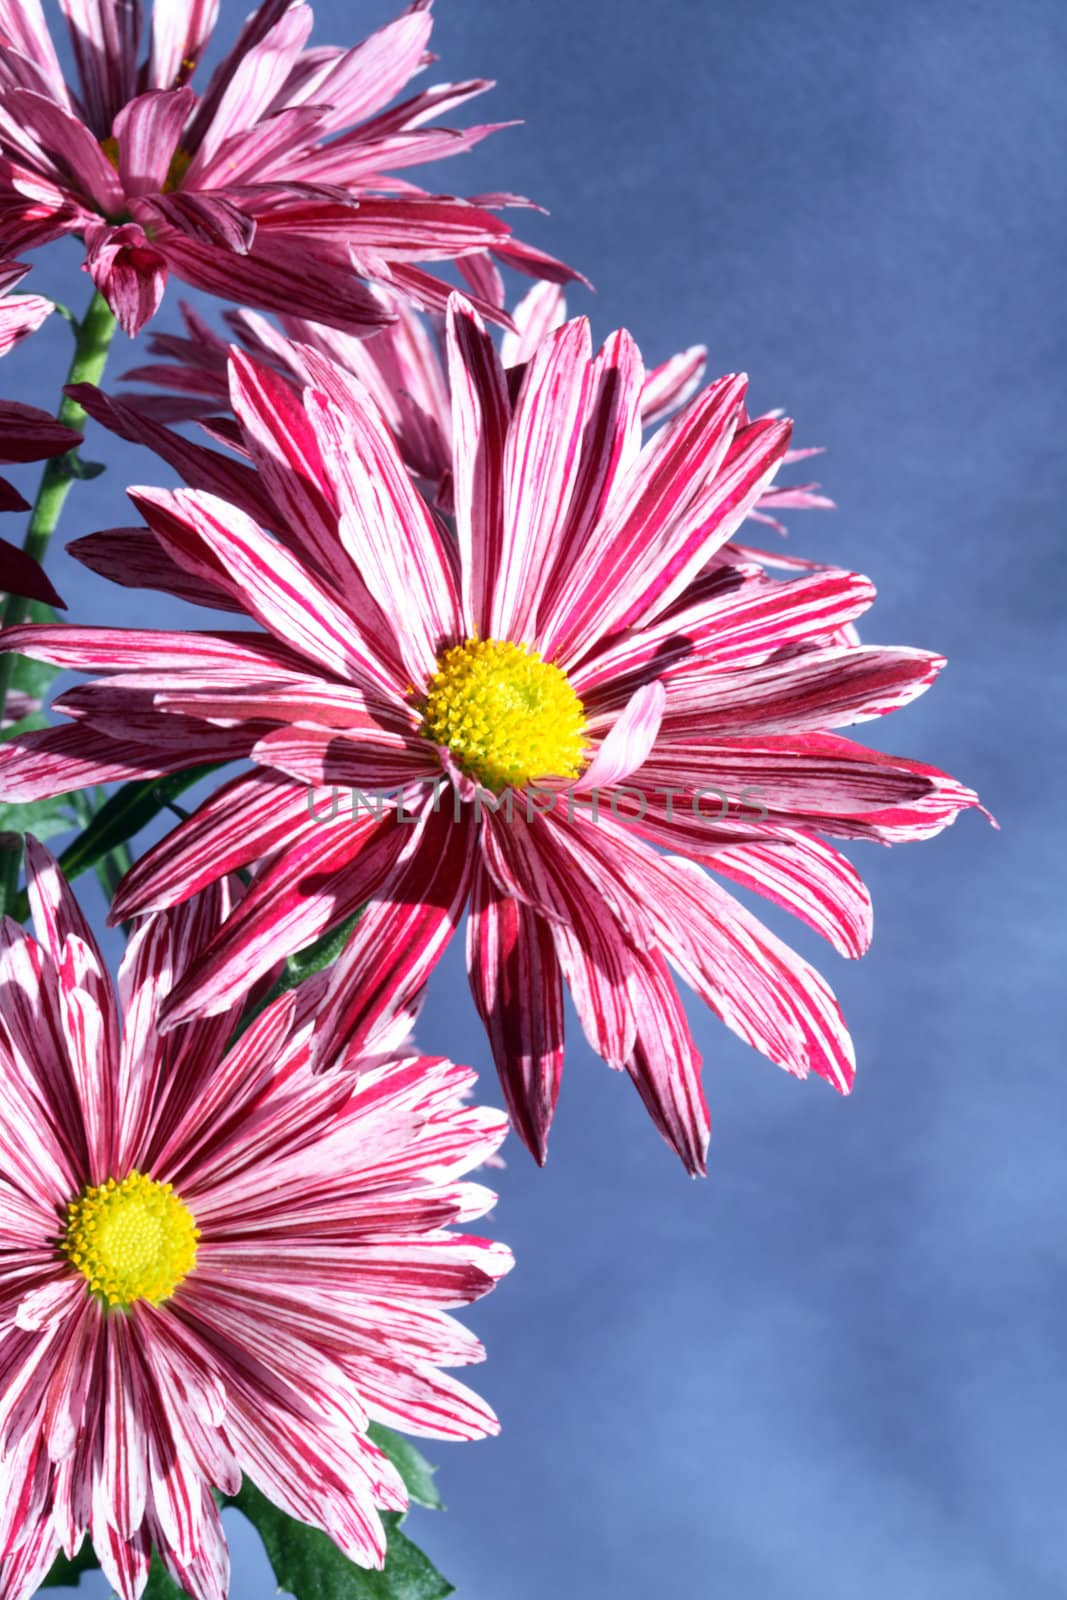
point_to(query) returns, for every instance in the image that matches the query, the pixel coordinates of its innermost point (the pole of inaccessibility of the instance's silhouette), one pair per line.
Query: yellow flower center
(179, 166)
(508, 717)
(134, 1240)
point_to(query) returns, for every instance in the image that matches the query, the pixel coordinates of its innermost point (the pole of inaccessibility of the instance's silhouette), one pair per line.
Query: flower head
(213, 1263)
(272, 184)
(589, 633)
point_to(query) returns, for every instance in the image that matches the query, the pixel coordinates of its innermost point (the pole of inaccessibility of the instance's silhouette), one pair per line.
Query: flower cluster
(493, 587)
(273, 185)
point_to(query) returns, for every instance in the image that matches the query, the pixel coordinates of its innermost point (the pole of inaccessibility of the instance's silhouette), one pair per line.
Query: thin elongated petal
(671, 384)
(630, 740)
(249, 818)
(134, 558)
(817, 689)
(480, 412)
(148, 130)
(760, 988)
(279, 593)
(809, 878)
(57, 131)
(661, 487)
(25, 29)
(287, 457)
(105, 35)
(402, 934)
(541, 461)
(665, 1065)
(20, 574)
(328, 876)
(517, 987)
(389, 533)
(180, 30)
(253, 85)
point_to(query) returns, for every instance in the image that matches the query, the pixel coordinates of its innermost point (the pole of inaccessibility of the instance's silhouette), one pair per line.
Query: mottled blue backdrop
(835, 1368)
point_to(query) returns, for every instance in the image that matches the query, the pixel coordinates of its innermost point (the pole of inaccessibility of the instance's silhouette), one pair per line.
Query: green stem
(93, 335)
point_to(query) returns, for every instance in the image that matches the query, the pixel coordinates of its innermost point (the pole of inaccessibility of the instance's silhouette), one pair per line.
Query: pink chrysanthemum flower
(26, 434)
(585, 672)
(212, 1262)
(273, 186)
(405, 372)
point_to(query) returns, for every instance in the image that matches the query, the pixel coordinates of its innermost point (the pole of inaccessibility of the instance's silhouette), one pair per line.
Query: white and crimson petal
(326, 1261)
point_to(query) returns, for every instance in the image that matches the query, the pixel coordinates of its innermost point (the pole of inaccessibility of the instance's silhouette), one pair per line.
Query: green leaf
(67, 1574)
(411, 1464)
(125, 813)
(41, 817)
(310, 1566)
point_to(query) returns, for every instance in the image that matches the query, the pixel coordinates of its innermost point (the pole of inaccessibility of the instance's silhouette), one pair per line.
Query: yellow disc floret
(508, 717)
(132, 1240)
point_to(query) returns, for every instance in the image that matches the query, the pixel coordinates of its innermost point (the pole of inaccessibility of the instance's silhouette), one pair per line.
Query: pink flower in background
(404, 369)
(589, 634)
(26, 434)
(213, 1263)
(274, 185)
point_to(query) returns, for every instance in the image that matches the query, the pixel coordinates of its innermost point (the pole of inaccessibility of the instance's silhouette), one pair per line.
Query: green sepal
(80, 468)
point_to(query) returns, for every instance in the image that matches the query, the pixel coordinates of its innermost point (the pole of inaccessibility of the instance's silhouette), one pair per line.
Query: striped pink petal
(480, 413)
(388, 532)
(148, 130)
(517, 987)
(665, 1065)
(402, 933)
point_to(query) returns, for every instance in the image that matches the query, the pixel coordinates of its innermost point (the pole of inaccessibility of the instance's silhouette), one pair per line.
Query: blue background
(834, 1368)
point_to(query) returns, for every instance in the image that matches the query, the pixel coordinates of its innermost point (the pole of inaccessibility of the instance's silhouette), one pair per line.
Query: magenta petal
(128, 270)
(148, 131)
(20, 574)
